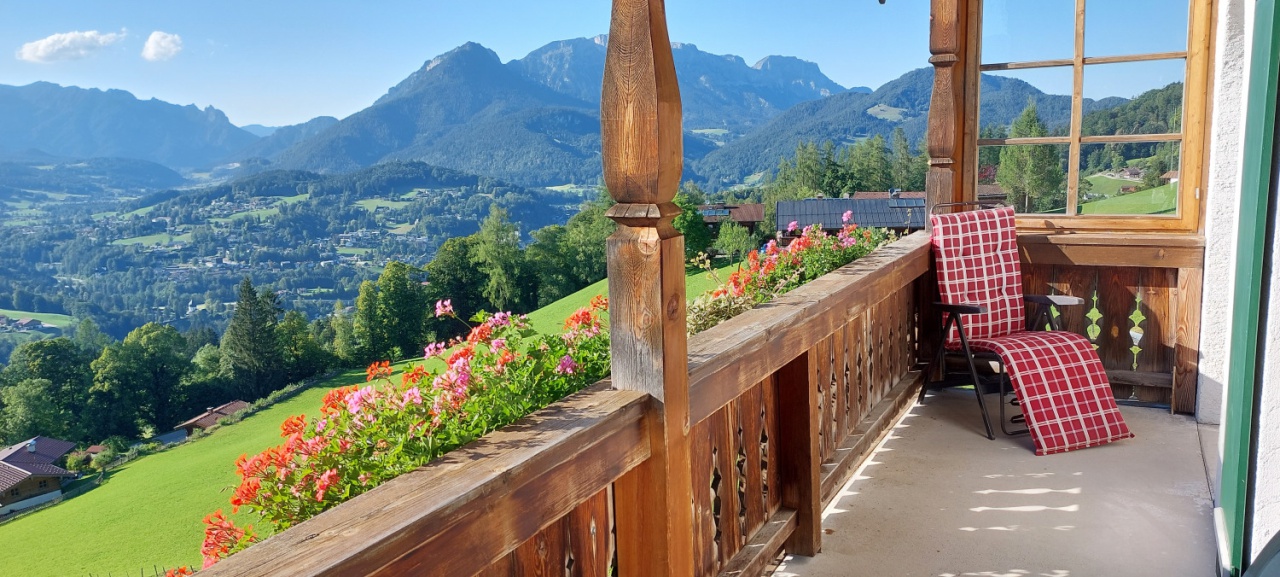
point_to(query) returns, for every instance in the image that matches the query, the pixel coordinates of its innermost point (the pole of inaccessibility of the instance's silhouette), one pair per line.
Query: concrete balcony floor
(939, 499)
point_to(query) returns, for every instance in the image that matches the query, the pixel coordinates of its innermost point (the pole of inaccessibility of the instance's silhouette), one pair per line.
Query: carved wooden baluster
(642, 148)
(946, 34)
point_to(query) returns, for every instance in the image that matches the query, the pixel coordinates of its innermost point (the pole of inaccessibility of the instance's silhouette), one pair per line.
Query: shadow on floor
(939, 499)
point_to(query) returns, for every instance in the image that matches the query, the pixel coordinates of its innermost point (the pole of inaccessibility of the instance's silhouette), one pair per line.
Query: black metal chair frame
(1039, 315)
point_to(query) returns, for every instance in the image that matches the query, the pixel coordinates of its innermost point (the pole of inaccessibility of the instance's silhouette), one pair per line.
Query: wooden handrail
(477, 503)
(768, 337)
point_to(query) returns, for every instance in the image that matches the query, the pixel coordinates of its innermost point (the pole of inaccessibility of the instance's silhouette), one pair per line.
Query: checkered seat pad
(1057, 375)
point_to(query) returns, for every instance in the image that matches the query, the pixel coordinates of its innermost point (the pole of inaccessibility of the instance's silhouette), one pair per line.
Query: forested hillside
(850, 117)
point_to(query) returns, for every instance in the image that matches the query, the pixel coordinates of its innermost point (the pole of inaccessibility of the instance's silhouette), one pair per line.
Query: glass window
(1129, 178)
(1092, 129)
(1116, 27)
(1004, 26)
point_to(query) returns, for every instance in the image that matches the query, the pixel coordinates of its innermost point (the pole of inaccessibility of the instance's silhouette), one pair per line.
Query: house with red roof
(211, 416)
(28, 475)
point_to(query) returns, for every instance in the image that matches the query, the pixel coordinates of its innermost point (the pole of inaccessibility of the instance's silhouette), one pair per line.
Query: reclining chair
(1059, 381)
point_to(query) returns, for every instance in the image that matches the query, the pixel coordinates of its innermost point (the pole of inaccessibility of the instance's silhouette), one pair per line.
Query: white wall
(32, 502)
(1222, 195)
(1234, 43)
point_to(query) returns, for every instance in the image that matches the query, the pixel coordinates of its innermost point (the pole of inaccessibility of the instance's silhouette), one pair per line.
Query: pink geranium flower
(567, 366)
(444, 308)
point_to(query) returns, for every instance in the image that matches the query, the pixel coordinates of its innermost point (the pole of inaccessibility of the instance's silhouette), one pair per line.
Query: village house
(747, 215)
(28, 475)
(211, 416)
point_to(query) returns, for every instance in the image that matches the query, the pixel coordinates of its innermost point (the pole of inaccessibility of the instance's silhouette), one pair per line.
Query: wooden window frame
(1195, 110)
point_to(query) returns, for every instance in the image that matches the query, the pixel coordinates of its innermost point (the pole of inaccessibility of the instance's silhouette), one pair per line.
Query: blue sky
(281, 62)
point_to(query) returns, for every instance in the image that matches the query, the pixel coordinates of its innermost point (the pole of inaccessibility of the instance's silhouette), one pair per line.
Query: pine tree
(497, 254)
(250, 345)
(1031, 175)
(402, 308)
(344, 343)
(871, 170)
(368, 327)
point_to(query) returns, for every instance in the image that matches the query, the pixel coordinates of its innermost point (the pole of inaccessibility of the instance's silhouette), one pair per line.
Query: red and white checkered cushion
(977, 262)
(1063, 389)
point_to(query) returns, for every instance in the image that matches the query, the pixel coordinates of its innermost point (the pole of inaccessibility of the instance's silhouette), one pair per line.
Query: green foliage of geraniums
(780, 269)
(364, 436)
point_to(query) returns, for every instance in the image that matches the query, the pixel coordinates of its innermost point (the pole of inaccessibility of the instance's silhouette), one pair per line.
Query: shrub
(103, 459)
(77, 462)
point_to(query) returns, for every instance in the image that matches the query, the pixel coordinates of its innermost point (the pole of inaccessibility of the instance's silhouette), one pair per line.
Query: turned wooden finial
(640, 114)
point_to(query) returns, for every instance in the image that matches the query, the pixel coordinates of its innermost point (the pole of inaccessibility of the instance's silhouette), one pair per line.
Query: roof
(991, 191)
(1172, 174)
(734, 212)
(95, 449)
(873, 213)
(874, 195)
(210, 417)
(18, 462)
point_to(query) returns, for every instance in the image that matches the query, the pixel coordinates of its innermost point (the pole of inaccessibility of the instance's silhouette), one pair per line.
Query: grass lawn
(1107, 186)
(49, 318)
(550, 319)
(886, 112)
(372, 204)
(149, 511)
(1159, 200)
(353, 250)
(401, 228)
(152, 239)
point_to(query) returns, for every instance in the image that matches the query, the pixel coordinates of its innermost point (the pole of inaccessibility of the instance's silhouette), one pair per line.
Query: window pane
(1130, 178)
(1032, 178)
(1007, 94)
(1022, 30)
(1116, 27)
(1133, 98)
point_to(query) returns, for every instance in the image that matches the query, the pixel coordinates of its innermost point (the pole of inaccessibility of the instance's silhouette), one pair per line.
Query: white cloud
(162, 46)
(67, 46)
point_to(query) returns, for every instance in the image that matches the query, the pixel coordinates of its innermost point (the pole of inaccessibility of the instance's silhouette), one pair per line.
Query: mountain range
(533, 121)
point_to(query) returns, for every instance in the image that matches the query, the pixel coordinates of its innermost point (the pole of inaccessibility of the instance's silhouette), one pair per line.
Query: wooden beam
(760, 551)
(1140, 379)
(799, 454)
(1077, 115)
(1104, 249)
(641, 141)
(1186, 352)
(1135, 57)
(1123, 138)
(485, 498)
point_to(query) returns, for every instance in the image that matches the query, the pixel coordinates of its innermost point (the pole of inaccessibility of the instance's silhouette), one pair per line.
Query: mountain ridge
(74, 122)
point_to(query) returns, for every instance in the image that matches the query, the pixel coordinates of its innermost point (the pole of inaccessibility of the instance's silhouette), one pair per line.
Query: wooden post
(642, 147)
(799, 458)
(946, 108)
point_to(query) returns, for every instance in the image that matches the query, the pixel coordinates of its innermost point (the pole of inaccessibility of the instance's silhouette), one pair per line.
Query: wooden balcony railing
(785, 401)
